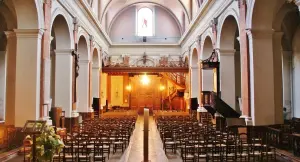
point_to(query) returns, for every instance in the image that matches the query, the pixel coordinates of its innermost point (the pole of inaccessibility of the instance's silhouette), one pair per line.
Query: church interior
(149, 80)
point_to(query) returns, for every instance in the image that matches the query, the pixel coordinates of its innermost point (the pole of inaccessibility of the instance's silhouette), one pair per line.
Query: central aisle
(134, 152)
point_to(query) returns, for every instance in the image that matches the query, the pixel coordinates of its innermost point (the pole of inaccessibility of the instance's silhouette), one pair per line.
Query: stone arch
(195, 72)
(29, 14)
(207, 47)
(132, 4)
(266, 81)
(230, 62)
(229, 13)
(96, 64)
(62, 13)
(207, 76)
(61, 43)
(83, 48)
(84, 75)
(194, 58)
(60, 31)
(96, 57)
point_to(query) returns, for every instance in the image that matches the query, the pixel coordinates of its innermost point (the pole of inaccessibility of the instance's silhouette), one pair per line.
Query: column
(194, 82)
(63, 80)
(28, 68)
(95, 83)
(245, 76)
(264, 73)
(3, 68)
(83, 86)
(10, 77)
(277, 65)
(297, 2)
(296, 85)
(287, 80)
(227, 70)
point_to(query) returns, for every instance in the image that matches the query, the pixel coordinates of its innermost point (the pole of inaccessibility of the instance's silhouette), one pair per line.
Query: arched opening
(194, 91)
(290, 44)
(230, 63)
(96, 75)
(145, 22)
(60, 92)
(7, 64)
(60, 41)
(83, 78)
(3, 64)
(266, 81)
(207, 75)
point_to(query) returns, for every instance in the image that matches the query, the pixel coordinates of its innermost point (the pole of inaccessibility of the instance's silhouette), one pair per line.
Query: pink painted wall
(124, 27)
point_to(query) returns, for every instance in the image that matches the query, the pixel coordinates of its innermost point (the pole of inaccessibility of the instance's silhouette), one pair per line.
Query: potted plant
(47, 144)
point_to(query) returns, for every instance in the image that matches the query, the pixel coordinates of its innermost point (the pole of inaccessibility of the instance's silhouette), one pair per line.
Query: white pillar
(227, 70)
(266, 79)
(10, 78)
(286, 79)
(95, 82)
(3, 65)
(296, 84)
(83, 86)
(195, 82)
(28, 68)
(297, 2)
(63, 80)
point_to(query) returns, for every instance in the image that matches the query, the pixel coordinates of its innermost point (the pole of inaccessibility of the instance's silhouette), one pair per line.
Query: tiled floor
(134, 153)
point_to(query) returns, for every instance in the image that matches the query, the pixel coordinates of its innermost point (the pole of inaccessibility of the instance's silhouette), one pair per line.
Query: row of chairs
(196, 142)
(95, 139)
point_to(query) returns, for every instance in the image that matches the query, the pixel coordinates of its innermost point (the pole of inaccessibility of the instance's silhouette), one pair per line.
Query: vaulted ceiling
(110, 9)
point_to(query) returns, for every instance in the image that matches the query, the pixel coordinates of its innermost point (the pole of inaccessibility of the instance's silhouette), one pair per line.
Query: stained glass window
(145, 22)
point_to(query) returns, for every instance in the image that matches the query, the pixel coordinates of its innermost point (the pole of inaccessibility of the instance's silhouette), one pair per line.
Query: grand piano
(213, 104)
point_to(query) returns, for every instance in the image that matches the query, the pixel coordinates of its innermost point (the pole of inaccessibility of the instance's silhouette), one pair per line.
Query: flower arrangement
(47, 144)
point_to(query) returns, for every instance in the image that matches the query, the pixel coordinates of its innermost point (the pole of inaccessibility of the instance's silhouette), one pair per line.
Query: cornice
(89, 11)
(116, 45)
(193, 25)
(29, 33)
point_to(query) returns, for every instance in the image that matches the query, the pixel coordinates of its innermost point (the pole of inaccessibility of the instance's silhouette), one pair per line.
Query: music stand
(34, 127)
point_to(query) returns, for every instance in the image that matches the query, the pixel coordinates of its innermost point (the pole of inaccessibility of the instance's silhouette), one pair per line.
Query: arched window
(145, 22)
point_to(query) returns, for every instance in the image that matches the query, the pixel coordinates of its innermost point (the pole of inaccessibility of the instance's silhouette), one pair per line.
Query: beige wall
(116, 90)
(103, 92)
(165, 26)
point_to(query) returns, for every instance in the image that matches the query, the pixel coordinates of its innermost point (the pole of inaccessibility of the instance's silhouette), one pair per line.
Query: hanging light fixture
(145, 79)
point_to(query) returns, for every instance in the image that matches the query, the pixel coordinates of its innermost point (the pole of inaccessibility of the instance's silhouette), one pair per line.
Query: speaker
(194, 104)
(96, 103)
(144, 39)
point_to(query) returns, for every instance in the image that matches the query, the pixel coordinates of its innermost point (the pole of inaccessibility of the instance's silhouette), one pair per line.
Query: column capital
(63, 52)
(9, 34)
(84, 61)
(227, 52)
(260, 34)
(29, 33)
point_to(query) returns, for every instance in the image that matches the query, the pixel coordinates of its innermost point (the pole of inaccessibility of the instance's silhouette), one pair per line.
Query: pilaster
(227, 74)
(28, 61)
(10, 77)
(63, 80)
(83, 86)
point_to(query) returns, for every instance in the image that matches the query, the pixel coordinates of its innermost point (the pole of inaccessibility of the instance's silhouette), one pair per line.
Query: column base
(47, 119)
(248, 120)
(91, 109)
(75, 114)
(70, 122)
(86, 115)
